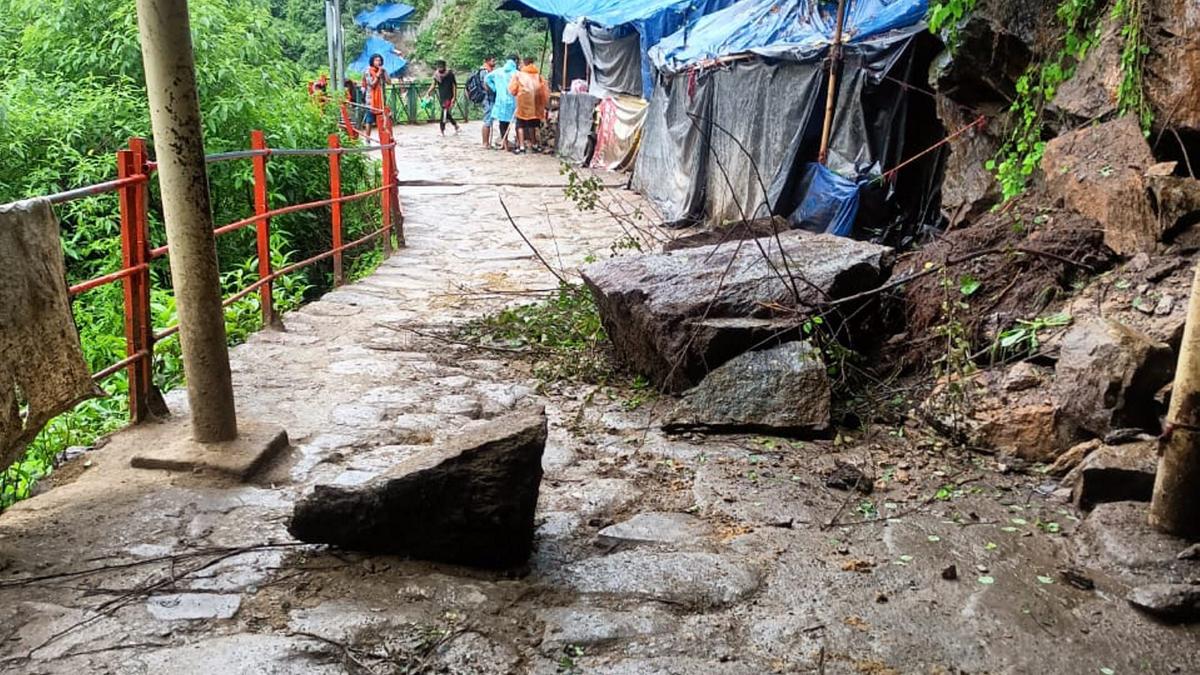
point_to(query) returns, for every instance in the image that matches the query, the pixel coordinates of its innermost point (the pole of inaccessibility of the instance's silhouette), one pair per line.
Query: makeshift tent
(650, 19)
(394, 64)
(385, 17)
(734, 139)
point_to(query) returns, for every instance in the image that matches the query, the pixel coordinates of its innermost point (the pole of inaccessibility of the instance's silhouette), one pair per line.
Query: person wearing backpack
(447, 87)
(480, 94)
(533, 97)
(505, 106)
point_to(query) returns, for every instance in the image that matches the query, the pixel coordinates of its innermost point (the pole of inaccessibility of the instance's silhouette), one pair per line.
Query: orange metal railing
(134, 172)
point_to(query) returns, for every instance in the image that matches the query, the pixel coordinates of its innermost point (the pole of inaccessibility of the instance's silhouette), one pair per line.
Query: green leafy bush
(73, 92)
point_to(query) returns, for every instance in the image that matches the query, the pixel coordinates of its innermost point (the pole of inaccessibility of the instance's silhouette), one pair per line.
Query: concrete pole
(1176, 505)
(175, 117)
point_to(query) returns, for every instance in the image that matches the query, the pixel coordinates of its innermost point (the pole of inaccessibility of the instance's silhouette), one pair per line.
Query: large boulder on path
(1099, 171)
(1114, 473)
(675, 317)
(785, 389)
(1108, 375)
(469, 503)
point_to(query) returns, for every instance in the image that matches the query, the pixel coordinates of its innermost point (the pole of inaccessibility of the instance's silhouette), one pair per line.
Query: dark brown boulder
(675, 317)
(469, 503)
(1099, 171)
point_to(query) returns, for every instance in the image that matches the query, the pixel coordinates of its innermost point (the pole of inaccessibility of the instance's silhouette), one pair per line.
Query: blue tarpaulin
(376, 45)
(830, 203)
(797, 30)
(384, 16)
(652, 19)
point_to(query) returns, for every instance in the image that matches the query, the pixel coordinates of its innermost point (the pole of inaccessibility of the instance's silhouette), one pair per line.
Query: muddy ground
(954, 563)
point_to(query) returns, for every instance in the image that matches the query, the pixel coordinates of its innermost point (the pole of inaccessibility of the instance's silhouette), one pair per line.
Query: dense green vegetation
(73, 92)
(469, 30)
(1081, 24)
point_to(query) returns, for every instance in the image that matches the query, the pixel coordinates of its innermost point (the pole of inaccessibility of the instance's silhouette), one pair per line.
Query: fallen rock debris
(471, 502)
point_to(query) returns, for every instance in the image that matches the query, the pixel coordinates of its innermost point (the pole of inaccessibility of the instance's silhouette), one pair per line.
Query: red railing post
(135, 252)
(335, 192)
(263, 227)
(389, 159)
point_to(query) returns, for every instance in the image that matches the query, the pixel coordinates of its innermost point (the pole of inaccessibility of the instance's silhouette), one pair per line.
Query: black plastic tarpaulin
(576, 114)
(761, 128)
(671, 164)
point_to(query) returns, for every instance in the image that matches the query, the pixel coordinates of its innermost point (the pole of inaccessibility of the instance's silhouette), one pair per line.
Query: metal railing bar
(173, 330)
(119, 366)
(97, 189)
(106, 279)
(161, 251)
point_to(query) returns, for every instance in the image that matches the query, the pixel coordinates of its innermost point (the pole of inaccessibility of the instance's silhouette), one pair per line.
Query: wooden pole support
(835, 60)
(1175, 508)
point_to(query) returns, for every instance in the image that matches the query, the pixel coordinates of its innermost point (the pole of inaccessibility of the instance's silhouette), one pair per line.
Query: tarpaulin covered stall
(385, 17)
(394, 63)
(610, 28)
(742, 132)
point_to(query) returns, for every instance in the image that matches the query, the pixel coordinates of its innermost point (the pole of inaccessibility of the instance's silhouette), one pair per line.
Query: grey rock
(674, 317)
(193, 606)
(1107, 377)
(1190, 553)
(1122, 473)
(1174, 602)
(656, 528)
(690, 579)
(471, 502)
(785, 388)
(589, 626)
(1117, 538)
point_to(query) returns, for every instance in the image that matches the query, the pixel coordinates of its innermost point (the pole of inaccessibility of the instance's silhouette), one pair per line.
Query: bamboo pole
(179, 144)
(1176, 505)
(835, 59)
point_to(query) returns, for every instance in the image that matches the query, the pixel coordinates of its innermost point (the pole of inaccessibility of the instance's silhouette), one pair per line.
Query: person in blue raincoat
(505, 107)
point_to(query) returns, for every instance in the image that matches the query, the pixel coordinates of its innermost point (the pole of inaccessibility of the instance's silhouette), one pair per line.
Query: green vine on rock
(1131, 94)
(946, 16)
(1021, 155)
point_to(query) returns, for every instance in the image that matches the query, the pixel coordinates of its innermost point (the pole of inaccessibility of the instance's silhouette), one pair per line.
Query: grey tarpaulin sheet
(575, 117)
(41, 361)
(759, 111)
(673, 158)
(616, 57)
(775, 112)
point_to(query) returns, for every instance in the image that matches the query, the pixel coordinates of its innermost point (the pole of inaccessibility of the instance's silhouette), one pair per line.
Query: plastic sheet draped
(740, 149)
(830, 204)
(576, 114)
(673, 159)
(376, 45)
(384, 16)
(796, 30)
(760, 114)
(616, 58)
(618, 132)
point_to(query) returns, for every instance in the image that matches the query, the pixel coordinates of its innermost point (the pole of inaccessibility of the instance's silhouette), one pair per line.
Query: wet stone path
(653, 554)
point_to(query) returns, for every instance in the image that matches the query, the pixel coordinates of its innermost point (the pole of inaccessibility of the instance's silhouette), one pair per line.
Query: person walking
(533, 97)
(504, 108)
(447, 87)
(374, 81)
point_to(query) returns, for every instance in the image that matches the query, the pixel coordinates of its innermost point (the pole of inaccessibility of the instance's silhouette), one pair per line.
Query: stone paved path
(654, 555)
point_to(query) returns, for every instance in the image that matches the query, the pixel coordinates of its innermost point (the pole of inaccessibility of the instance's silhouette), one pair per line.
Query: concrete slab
(256, 447)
